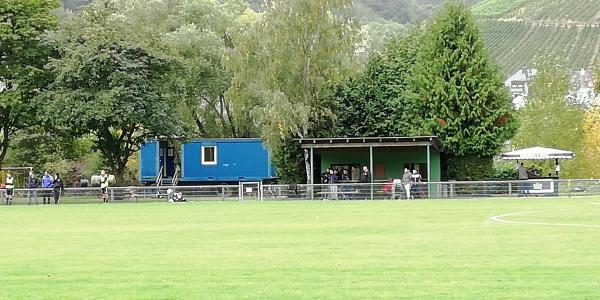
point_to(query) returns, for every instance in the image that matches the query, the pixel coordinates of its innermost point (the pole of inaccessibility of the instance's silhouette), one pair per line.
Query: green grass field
(306, 250)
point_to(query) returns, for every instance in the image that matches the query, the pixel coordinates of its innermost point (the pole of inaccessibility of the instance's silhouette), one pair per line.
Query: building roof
(364, 142)
(524, 74)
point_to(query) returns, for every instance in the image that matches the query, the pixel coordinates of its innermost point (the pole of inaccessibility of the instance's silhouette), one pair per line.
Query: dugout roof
(366, 142)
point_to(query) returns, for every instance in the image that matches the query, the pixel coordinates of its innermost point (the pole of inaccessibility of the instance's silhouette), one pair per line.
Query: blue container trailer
(206, 161)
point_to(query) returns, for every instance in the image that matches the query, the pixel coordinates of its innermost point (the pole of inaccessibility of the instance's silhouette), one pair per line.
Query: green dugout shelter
(386, 157)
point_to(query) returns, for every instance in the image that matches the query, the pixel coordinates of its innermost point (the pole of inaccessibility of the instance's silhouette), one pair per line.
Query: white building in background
(518, 85)
(582, 84)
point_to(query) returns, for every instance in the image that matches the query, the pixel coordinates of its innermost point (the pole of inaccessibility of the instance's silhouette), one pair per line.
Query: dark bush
(469, 168)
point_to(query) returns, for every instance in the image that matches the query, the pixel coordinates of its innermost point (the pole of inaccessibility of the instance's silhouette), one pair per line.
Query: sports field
(303, 250)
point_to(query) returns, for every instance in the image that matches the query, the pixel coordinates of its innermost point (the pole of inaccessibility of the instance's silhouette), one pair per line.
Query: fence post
(569, 188)
(509, 189)
(428, 189)
(112, 195)
(240, 191)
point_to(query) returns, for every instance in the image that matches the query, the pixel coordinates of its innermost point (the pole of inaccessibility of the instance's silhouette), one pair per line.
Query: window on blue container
(209, 155)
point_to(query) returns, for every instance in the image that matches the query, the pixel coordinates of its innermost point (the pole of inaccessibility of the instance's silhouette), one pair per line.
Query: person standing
(10, 186)
(345, 175)
(365, 178)
(406, 178)
(333, 179)
(57, 188)
(32, 184)
(104, 186)
(47, 184)
(522, 172)
(415, 183)
(522, 177)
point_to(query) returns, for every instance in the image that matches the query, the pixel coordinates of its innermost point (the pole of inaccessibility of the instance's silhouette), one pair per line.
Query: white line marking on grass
(500, 218)
(595, 203)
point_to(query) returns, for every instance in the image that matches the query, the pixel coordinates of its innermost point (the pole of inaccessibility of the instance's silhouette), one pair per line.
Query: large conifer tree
(458, 91)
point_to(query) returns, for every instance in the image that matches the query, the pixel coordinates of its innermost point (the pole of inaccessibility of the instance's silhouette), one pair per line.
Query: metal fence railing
(248, 191)
(435, 190)
(126, 194)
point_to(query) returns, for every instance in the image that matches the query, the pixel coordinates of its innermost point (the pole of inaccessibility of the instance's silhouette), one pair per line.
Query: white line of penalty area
(500, 219)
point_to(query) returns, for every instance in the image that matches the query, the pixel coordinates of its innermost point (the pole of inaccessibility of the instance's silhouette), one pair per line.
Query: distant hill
(516, 31)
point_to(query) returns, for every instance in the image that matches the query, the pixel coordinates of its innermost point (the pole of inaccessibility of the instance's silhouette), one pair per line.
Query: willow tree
(283, 64)
(459, 94)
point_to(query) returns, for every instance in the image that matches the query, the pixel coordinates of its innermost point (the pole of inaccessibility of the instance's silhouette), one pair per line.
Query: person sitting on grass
(174, 196)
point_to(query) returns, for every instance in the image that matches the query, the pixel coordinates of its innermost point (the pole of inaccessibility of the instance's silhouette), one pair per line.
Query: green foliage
(549, 118)
(75, 5)
(505, 171)
(54, 150)
(109, 86)
(286, 60)
(289, 57)
(469, 168)
(460, 97)
(288, 159)
(23, 53)
(441, 83)
(197, 34)
(597, 74)
(374, 103)
(36, 146)
(378, 32)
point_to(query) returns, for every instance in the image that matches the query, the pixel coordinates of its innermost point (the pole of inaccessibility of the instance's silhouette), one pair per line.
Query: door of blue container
(149, 161)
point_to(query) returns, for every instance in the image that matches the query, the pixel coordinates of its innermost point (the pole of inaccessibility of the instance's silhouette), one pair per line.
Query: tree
(457, 90)
(23, 53)
(110, 87)
(597, 73)
(591, 128)
(551, 119)
(75, 5)
(375, 102)
(197, 34)
(285, 62)
(54, 150)
(378, 32)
